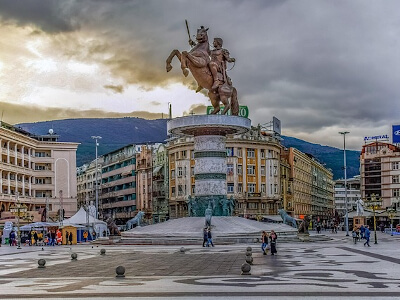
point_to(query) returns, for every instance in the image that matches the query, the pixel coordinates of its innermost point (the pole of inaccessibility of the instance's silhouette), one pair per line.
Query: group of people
(268, 242)
(360, 233)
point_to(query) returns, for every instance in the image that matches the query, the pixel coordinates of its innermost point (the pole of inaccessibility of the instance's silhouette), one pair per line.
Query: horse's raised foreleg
(214, 102)
(171, 56)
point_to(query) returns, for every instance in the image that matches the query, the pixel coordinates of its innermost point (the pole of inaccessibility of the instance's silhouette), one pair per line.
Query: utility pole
(97, 176)
(345, 181)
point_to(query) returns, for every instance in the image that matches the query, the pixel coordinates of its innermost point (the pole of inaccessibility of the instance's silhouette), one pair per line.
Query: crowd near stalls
(77, 229)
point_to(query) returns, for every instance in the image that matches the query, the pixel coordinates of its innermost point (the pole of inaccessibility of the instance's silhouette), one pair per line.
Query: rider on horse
(219, 57)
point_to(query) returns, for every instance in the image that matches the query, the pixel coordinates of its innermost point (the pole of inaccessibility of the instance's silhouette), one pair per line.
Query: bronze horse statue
(197, 61)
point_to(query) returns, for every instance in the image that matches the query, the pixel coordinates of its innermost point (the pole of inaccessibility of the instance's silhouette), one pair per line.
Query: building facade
(117, 197)
(353, 194)
(39, 169)
(310, 187)
(160, 185)
(380, 172)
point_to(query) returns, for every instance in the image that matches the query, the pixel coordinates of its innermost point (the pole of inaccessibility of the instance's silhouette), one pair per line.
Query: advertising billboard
(276, 125)
(396, 134)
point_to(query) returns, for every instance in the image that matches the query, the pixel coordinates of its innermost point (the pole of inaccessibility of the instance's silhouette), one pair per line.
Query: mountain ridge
(142, 131)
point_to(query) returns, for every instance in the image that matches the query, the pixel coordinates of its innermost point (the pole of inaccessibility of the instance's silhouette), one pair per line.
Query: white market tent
(80, 219)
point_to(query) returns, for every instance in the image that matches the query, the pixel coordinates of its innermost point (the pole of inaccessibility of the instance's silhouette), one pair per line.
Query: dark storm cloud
(49, 15)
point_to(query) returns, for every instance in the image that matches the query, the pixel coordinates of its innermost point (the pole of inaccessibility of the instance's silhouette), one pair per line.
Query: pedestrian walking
(85, 235)
(70, 238)
(318, 228)
(205, 236)
(264, 245)
(53, 238)
(362, 231)
(273, 237)
(367, 235)
(209, 238)
(354, 234)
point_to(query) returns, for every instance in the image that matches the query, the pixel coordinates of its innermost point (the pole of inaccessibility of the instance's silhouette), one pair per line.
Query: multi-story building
(86, 181)
(380, 172)
(322, 196)
(353, 194)
(144, 182)
(160, 185)
(301, 178)
(310, 188)
(253, 174)
(118, 185)
(37, 168)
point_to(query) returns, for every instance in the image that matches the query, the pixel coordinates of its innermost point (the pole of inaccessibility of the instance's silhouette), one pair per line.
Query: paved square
(315, 270)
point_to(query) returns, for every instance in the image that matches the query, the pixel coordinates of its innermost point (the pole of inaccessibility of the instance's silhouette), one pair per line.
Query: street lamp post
(375, 204)
(20, 211)
(391, 214)
(97, 189)
(345, 181)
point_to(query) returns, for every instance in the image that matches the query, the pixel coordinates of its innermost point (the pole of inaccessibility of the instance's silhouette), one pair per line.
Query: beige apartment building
(253, 174)
(37, 168)
(380, 172)
(311, 188)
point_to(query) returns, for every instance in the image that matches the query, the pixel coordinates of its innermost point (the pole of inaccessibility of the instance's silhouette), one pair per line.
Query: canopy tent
(80, 218)
(38, 225)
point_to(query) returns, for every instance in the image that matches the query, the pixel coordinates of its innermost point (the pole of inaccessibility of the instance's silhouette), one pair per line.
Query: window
(263, 188)
(396, 192)
(239, 152)
(229, 169)
(193, 189)
(173, 191)
(395, 179)
(240, 169)
(180, 172)
(240, 188)
(230, 188)
(192, 171)
(251, 188)
(263, 206)
(229, 151)
(262, 153)
(184, 154)
(275, 171)
(251, 170)
(395, 165)
(172, 173)
(275, 188)
(250, 153)
(180, 190)
(262, 170)
(252, 205)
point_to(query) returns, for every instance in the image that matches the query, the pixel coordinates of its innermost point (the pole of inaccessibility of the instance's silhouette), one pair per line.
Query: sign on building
(396, 134)
(243, 111)
(276, 125)
(376, 138)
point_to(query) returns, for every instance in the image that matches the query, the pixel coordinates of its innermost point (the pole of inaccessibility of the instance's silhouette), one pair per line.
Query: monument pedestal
(210, 169)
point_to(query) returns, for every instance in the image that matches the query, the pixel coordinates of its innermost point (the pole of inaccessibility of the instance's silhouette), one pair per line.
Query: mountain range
(118, 132)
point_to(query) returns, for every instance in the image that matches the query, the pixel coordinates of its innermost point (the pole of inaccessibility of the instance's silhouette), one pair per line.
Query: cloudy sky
(319, 66)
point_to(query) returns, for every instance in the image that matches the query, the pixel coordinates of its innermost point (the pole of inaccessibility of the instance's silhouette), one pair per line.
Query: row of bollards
(120, 270)
(246, 267)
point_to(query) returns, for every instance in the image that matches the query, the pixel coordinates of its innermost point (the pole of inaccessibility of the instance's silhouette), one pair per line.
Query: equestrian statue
(208, 68)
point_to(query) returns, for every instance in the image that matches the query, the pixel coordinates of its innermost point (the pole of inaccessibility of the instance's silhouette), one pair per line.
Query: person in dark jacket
(209, 238)
(70, 238)
(264, 245)
(205, 236)
(367, 235)
(272, 238)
